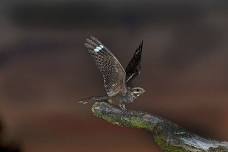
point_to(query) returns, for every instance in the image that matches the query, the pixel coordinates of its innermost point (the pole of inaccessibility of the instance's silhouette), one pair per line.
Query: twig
(169, 136)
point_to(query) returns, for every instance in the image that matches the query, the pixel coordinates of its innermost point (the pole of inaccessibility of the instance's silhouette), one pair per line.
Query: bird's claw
(123, 107)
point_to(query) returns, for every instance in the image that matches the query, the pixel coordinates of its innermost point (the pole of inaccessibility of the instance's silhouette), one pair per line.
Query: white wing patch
(112, 71)
(98, 48)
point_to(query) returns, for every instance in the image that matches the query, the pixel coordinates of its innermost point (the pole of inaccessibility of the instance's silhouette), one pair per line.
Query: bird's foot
(123, 107)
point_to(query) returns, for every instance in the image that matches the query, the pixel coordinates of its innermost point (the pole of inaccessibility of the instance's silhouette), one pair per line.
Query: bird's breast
(120, 99)
(115, 100)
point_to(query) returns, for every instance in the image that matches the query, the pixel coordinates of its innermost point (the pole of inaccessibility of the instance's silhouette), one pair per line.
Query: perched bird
(117, 81)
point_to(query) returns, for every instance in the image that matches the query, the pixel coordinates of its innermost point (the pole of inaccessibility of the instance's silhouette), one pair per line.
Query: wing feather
(112, 71)
(133, 68)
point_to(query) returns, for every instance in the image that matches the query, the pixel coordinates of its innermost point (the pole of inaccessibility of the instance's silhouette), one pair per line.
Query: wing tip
(92, 40)
(95, 39)
(141, 45)
(140, 48)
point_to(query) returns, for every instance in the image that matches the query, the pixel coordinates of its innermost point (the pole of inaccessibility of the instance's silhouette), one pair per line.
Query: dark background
(45, 69)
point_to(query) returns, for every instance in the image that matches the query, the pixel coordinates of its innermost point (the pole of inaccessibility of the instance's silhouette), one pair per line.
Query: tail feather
(83, 102)
(86, 100)
(92, 99)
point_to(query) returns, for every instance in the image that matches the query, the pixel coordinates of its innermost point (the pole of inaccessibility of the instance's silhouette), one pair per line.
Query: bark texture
(169, 136)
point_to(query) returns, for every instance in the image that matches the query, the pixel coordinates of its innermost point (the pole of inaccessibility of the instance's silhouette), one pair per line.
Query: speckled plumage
(115, 78)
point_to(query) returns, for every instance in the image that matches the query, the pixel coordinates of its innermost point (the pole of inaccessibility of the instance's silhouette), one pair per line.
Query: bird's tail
(87, 100)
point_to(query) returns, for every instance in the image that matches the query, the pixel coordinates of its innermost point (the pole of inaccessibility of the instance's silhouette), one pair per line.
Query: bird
(117, 80)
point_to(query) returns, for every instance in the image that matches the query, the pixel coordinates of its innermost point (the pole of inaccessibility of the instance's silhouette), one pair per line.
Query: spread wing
(113, 73)
(133, 68)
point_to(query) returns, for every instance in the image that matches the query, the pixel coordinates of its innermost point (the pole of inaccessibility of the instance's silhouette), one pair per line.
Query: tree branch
(169, 136)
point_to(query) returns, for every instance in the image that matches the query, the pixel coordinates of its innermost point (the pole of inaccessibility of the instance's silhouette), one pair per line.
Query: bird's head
(137, 91)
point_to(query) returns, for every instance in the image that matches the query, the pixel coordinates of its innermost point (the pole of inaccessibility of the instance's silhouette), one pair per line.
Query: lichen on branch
(169, 136)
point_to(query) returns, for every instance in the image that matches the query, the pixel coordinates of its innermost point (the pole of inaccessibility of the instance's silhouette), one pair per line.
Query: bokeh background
(45, 69)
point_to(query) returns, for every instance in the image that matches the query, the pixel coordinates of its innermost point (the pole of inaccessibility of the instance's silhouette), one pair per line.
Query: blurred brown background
(45, 69)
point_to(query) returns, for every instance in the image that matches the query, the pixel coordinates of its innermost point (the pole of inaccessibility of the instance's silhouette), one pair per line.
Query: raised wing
(133, 68)
(113, 73)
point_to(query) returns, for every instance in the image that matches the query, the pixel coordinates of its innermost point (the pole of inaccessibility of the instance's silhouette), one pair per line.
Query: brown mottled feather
(113, 73)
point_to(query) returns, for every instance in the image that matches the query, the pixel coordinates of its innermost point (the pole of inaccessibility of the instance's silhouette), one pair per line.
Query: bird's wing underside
(113, 73)
(133, 68)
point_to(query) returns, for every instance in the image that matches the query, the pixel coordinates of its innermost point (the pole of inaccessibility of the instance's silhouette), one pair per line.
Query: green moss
(161, 138)
(217, 149)
(161, 141)
(111, 119)
(136, 122)
(167, 135)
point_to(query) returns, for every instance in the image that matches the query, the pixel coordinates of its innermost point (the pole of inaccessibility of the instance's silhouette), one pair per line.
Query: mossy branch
(169, 136)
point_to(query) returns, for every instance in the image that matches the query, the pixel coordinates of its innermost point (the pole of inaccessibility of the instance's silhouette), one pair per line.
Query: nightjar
(117, 81)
